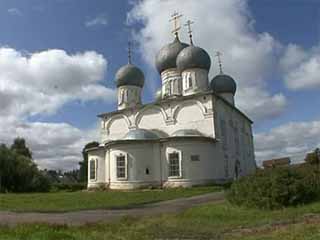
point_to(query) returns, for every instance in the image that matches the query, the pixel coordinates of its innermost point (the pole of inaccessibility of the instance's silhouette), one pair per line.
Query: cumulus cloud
(301, 67)
(15, 12)
(54, 145)
(98, 20)
(41, 83)
(293, 139)
(225, 26)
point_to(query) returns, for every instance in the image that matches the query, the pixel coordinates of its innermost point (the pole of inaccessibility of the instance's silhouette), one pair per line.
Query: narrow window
(224, 134)
(121, 166)
(174, 165)
(189, 81)
(195, 158)
(92, 169)
(147, 171)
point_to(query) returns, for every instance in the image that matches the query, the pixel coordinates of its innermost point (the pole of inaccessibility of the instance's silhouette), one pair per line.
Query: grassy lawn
(211, 221)
(71, 201)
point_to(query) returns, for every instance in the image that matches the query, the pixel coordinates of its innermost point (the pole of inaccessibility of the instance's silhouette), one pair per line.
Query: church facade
(192, 134)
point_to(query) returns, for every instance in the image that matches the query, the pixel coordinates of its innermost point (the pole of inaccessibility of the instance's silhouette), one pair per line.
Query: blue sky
(78, 26)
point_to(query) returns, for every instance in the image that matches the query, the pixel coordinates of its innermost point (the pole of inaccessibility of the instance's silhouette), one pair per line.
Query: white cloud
(98, 20)
(41, 83)
(301, 67)
(294, 139)
(54, 145)
(15, 12)
(227, 26)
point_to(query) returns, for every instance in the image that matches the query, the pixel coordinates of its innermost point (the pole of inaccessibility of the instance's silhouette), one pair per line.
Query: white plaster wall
(166, 117)
(171, 83)
(207, 170)
(128, 96)
(237, 127)
(199, 78)
(139, 157)
(99, 156)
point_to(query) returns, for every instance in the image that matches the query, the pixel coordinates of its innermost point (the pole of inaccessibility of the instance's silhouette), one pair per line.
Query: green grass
(211, 221)
(72, 201)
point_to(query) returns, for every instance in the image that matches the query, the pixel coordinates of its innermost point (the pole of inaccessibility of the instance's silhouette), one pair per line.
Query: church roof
(129, 75)
(141, 134)
(167, 56)
(193, 57)
(186, 133)
(223, 83)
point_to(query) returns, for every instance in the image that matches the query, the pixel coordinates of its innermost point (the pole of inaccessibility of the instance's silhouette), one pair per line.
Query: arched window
(174, 164)
(93, 163)
(121, 163)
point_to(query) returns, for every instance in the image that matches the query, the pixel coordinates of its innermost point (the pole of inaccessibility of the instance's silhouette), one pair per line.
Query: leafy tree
(18, 172)
(313, 157)
(84, 164)
(19, 146)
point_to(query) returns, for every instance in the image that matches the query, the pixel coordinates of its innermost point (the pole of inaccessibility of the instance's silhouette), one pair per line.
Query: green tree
(313, 157)
(84, 163)
(19, 146)
(18, 172)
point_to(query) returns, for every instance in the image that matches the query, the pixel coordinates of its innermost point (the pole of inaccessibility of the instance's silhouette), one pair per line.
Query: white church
(192, 134)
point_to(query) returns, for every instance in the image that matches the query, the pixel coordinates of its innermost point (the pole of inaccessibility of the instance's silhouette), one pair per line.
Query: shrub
(70, 187)
(276, 188)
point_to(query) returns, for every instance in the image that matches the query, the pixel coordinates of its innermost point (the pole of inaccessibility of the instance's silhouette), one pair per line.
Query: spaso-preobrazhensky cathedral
(192, 134)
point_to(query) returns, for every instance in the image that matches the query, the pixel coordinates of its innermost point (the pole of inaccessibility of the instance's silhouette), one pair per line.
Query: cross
(218, 55)
(129, 52)
(175, 18)
(188, 24)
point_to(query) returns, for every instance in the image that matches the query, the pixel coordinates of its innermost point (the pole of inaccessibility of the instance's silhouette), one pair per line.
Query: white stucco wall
(199, 81)
(140, 156)
(99, 157)
(237, 129)
(205, 113)
(167, 117)
(207, 170)
(128, 96)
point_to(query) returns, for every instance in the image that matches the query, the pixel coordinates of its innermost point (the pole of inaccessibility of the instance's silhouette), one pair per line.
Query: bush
(69, 187)
(276, 188)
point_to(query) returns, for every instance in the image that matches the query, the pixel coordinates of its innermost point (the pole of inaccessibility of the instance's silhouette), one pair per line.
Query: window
(174, 164)
(195, 158)
(93, 169)
(224, 134)
(189, 81)
(121, 166)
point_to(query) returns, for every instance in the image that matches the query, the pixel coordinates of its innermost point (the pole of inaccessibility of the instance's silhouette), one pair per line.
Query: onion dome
(167, 56)
(158, 95)
(129, 75)
(193, 57)
(223, 84)
(141, 134)
(187, 133)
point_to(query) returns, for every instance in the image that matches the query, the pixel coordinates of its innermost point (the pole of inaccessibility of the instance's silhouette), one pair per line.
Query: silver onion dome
(223, 83)
(129, 75)
(158, 95)
(167, 56)
(193, 57)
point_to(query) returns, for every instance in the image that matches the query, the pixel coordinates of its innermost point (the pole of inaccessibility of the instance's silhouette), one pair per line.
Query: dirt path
(94, 216)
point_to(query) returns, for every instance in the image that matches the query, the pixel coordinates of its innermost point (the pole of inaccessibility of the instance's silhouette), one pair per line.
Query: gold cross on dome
(188, 24)
(175, 19)
(218, 55)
